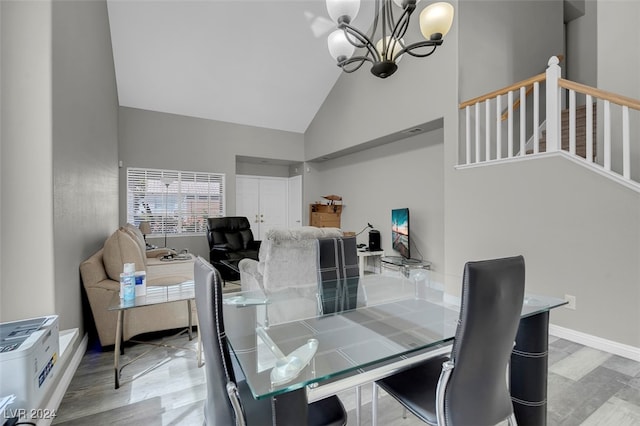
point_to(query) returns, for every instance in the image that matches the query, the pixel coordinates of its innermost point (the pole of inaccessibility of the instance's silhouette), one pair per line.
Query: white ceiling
(262, 63)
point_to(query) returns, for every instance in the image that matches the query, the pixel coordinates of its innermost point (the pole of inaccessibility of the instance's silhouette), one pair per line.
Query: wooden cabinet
(325, 215)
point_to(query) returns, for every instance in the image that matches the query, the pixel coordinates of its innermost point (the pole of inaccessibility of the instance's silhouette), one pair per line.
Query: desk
(395, 325)
(155, 295)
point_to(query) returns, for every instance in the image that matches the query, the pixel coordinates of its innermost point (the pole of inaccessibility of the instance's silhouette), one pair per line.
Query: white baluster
(536, 117)
(510, 125)
(626, 154)
(487, 137)
(498, 127)
(477, 132)
(572, 122)
(523, 120)
(589, 128)
(467, 111)
(607, 135)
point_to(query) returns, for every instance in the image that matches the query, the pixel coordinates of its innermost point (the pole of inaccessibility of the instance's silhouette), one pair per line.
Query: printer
(29, 350)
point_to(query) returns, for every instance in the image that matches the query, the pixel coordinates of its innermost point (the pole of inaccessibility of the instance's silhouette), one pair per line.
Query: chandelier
(384, 55)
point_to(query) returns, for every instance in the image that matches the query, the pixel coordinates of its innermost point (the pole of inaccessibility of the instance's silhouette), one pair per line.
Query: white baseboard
(595, 342)
(63, 383)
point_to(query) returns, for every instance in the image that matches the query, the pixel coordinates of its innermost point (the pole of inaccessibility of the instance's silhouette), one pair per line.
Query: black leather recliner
(230, 240)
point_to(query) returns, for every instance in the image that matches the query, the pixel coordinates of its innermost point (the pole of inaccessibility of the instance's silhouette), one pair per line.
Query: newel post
(553, 105)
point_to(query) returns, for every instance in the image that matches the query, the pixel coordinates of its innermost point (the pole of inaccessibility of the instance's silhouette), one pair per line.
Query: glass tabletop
(156, 294)
(290, 338)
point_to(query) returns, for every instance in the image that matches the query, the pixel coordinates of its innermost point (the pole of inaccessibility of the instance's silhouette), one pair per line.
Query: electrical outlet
(571, 301)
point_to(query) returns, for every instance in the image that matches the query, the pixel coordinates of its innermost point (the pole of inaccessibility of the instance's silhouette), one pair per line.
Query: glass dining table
(312, 341)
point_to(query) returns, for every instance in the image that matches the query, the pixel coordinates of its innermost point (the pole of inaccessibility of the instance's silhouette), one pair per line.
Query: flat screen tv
(400, 232)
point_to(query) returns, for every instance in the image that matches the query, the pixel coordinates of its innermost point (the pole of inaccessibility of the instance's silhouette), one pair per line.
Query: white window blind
(174, 202)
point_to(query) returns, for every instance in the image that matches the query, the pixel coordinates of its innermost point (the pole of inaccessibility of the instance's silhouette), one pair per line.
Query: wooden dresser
(325, 215)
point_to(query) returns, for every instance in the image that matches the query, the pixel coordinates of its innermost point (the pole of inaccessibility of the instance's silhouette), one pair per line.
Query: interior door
(248, 201)
(295, 201)
(273, 204)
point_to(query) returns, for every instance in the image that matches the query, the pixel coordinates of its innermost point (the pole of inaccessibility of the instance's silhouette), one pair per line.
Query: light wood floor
(586, 387)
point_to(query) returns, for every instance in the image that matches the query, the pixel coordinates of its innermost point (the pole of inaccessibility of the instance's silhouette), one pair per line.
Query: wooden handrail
(600, 94)
(527, 82)
(516, 104)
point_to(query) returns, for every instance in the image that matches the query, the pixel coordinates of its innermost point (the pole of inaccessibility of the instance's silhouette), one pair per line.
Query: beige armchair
(101, 279)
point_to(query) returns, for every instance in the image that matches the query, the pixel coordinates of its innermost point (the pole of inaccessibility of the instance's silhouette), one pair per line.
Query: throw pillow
(137, 236)
(119, 249)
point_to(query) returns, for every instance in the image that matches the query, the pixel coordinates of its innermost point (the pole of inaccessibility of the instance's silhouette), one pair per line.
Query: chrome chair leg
(358, 405)
(374, 405)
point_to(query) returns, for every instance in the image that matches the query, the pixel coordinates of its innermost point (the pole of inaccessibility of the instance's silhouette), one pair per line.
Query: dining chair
(470, 387)
(338, 275)
(229, 400)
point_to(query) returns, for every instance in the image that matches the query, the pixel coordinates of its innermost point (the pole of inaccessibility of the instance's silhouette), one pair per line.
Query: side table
(375, 256)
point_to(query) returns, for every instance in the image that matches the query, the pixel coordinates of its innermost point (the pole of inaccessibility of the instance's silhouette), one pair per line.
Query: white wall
(407, 173)
(26, 221)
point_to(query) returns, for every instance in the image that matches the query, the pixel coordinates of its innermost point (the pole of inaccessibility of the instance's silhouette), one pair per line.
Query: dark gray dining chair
(338, 275)
(229, 400)
(471, 387)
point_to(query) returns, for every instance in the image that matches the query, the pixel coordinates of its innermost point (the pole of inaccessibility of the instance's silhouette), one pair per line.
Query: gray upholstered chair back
(492, 296)
(208, 291)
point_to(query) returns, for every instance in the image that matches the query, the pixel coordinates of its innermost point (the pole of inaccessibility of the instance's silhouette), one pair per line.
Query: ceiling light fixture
(435, 22)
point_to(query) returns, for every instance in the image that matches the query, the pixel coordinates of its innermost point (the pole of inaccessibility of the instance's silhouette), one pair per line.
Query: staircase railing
(484, 126)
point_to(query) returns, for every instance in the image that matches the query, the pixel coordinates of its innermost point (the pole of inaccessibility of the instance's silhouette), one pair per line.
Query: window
(172, 201)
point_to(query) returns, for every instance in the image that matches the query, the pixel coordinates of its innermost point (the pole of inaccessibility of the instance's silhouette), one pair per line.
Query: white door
(264, 201)
(295, 201)
(273, 204)
(248, 201)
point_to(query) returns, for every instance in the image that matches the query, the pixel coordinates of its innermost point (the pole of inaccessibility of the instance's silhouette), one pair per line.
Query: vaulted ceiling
(262, 63)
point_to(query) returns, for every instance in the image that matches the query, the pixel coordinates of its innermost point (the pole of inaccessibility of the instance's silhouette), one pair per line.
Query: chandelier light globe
(339, 47)
(392, 43)
(389, 26)
(343, 8)
(435, 19)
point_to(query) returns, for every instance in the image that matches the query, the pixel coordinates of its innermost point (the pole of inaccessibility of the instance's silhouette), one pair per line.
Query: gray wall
(85, 133)
(581, 63)
(578, 231)
(26, 202)
(59, 111)
(619, 70)
(407, 173)
(361, 107)
(167, 141)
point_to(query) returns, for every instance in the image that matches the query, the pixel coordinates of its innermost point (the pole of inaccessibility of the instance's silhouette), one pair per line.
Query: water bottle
(128, 282)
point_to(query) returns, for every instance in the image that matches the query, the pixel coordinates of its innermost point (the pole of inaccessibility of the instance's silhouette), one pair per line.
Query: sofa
(230, 239)
(100, 275)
